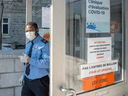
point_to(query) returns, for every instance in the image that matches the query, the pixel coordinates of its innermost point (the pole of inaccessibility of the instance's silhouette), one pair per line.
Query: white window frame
(5, 23)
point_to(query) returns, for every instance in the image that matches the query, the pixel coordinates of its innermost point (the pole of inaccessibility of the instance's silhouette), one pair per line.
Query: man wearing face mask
(35, 77)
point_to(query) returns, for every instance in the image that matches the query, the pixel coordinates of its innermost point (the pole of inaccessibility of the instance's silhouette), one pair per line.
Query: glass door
(88, 24)
(87, 48)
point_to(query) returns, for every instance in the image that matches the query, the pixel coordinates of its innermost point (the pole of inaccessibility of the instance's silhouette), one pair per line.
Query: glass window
(41, 15)
(19, 0)
(5, 28)
(5, 20)
(94, 44)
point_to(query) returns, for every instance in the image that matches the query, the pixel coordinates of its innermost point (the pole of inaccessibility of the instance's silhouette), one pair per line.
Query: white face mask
(30, 35)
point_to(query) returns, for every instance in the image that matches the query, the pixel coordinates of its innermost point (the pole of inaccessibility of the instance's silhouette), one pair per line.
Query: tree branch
(2, 4)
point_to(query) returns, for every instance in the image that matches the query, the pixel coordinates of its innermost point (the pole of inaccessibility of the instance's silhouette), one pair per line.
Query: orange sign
(114, 27)
(98, 81)
(47, 36)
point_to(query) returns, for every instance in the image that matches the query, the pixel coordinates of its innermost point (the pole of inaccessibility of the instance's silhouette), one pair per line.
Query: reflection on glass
(13, 25)
(76, 45)
(37, 15)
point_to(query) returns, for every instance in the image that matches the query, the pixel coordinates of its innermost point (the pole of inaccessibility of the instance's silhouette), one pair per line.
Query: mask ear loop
(36, 32)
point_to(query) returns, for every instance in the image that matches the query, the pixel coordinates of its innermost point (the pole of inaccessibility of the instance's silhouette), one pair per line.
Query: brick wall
(10, 72)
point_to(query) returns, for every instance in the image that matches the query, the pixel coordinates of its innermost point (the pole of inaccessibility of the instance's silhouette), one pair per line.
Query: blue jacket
(40, 58)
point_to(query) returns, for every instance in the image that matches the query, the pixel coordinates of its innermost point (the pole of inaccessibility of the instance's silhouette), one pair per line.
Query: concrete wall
(10, 72)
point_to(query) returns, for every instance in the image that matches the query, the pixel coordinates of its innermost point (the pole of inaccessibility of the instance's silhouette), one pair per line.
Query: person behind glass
(35, 79)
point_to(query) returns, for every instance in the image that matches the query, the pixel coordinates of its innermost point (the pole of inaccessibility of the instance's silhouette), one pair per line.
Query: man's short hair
(33, 24)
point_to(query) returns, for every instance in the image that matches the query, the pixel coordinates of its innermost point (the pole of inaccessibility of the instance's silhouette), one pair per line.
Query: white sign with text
(45, 17)
(98, 49)
(98, 68)
(97, 16)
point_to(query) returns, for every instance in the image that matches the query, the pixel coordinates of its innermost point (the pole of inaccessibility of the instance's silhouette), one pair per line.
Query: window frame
(7, 24)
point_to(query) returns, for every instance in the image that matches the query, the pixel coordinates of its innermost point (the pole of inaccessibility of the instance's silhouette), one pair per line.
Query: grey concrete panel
(6, 65)
(19, 66)
(10, 79)
(7, 92)
(18, 91)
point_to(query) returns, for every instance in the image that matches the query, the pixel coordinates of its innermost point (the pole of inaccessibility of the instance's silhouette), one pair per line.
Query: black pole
(2, 4)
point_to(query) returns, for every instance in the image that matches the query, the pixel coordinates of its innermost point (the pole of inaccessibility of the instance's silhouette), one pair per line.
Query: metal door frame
(57, 50)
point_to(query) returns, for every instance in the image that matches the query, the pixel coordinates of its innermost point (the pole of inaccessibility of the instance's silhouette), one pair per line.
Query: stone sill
(11, 54)
(6, 36)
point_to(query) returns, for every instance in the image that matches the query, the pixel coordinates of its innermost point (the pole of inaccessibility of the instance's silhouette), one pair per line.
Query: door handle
(68, 90)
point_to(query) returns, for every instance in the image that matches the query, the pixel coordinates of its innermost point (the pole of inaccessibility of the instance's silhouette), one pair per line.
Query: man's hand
(21, 80)
(24, 58)
(28, 59)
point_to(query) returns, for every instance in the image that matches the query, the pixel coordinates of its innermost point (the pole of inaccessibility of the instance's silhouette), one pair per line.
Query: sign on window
(97, 16)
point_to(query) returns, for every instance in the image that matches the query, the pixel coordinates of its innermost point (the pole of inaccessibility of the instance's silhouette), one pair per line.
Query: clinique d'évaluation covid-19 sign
(97, 16)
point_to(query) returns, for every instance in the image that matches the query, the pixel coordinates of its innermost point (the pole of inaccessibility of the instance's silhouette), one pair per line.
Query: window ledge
(6, 36)
(6, 54)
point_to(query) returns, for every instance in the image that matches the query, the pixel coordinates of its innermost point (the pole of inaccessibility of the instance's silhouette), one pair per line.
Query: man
(36, 59)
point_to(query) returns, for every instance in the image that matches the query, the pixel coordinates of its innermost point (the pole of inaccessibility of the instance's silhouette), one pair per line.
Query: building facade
(13, 23)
